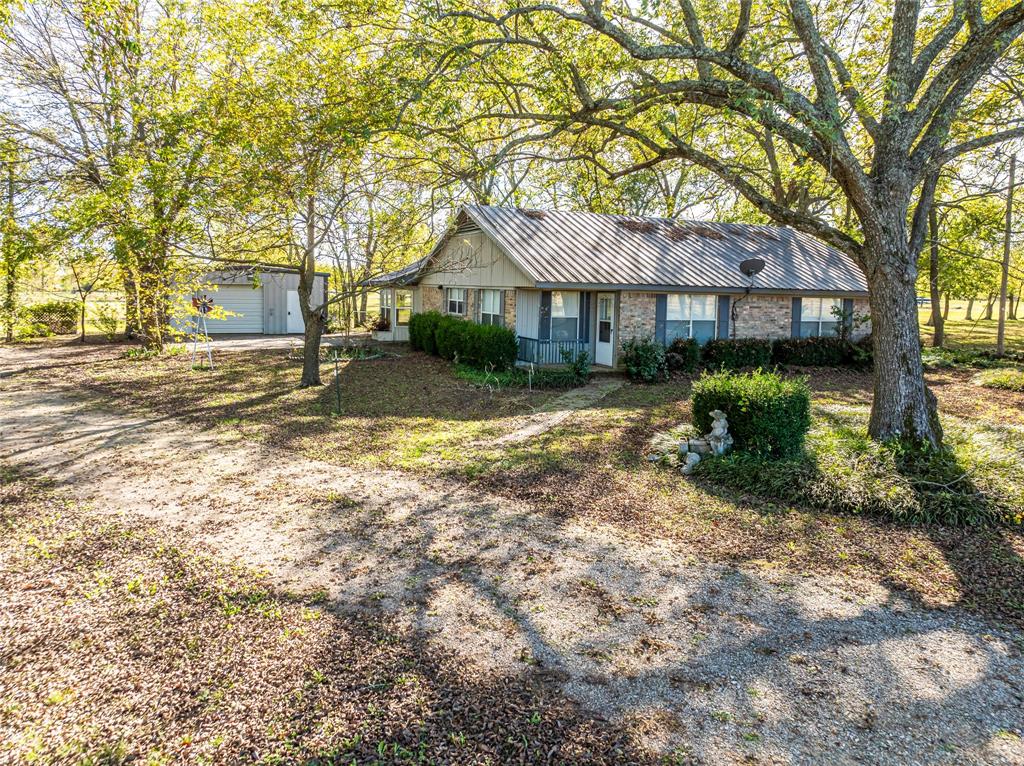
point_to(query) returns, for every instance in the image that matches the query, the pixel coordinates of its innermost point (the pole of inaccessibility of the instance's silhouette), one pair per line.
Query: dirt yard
(662, 651)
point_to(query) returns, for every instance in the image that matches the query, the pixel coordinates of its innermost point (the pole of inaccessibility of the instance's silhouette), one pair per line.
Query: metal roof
(407, 275)
(558, 248)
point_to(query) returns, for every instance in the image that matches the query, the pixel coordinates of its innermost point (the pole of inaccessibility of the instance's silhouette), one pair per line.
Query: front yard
(410, 412)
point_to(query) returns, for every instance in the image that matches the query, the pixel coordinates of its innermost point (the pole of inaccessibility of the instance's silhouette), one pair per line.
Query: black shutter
(544, 328)
(724, 306)
(660, 312)
(848, 314)
(795, 325)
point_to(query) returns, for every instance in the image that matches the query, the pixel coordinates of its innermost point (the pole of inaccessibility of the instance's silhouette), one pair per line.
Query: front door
(294, 323)
(605, 329)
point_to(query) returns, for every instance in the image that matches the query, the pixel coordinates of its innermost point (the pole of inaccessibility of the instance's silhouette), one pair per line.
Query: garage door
(245, 303)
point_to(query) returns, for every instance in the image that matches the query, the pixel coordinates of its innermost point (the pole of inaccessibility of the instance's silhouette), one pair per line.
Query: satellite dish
(751, 267)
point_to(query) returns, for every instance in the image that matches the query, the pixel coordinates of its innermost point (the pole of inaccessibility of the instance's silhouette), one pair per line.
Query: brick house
(589, 282)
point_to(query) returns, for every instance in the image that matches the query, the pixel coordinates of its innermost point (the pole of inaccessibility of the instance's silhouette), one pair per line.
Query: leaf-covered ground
(123, 645)
(410, 412)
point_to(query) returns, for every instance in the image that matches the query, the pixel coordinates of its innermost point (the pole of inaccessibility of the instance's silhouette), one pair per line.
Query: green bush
(423, 331)
(58, 317)
(768, 414)
(683, 355)
(737, 354)
(828, 351)
(488, 347)
(644, 360)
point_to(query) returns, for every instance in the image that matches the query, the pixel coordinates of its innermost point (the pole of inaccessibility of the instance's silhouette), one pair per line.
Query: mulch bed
(120, 646)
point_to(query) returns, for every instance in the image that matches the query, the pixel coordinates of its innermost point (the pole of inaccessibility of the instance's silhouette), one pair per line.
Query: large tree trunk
(903, 407)
(990, 304)
(315, 319)
(937, 321)
(970, 309)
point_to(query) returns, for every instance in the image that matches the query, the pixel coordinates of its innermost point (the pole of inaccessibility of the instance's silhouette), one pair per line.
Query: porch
(537, 351)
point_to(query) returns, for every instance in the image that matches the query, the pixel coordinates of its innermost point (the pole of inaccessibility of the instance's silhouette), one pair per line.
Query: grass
(120, 619)
(412, 412)
(1007, 380)
(975, 334)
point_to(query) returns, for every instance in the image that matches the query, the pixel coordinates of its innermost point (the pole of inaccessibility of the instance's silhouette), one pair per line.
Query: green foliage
(943, 358)
(58, 317)
(487, 347)
(1006, 379)
(644, 360)
(683, 355)
(768, 414)
(974, 481)
(821, 352)
(736, 354)
(423, 330)
(575, 373)
(106, 319)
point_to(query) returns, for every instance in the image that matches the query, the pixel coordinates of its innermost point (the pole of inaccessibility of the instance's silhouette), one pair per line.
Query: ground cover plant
(104, 619)
(1007, 379)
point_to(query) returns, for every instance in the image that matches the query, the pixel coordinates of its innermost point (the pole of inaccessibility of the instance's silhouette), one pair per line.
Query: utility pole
(1001, 330)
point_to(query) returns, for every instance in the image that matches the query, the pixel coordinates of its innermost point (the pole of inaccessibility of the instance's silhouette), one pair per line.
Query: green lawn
(976, 334)
(412, 412)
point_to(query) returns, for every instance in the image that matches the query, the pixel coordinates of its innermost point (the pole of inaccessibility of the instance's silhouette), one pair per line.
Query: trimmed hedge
(812, 352)
(768, 415)
(737, 354)
(478, 345)
(683, 355)
(423, 329)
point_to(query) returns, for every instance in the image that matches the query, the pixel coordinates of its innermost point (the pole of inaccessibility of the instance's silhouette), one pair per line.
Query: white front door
(605, 342)
(294, 323)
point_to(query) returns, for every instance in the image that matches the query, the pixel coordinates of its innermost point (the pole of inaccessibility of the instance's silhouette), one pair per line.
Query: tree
(781, 85)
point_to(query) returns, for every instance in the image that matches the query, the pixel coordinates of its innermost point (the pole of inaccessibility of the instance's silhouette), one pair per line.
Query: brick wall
(510, 309)
(764, 316)
(431, 298)
(636, 316)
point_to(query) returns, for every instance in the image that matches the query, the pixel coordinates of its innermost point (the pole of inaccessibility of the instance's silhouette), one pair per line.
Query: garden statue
(719, 438)
(718, 442)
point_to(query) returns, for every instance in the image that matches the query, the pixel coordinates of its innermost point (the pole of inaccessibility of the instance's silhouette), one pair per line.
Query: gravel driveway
(730, 665)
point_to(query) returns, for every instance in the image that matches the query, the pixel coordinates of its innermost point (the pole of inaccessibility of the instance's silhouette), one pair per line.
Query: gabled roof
(592, 251)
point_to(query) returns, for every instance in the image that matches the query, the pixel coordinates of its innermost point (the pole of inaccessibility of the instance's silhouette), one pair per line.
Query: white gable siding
(472, 260)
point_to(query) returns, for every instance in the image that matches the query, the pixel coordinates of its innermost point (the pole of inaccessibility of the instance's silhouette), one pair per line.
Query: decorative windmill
(203, 304)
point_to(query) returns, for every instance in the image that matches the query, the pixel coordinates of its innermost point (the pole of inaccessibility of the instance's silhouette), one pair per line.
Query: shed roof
(558, 248)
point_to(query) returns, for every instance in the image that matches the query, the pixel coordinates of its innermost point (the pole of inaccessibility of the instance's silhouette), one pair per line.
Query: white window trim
(689, 320)
(497, 314)
(819, 318)
(448, 300)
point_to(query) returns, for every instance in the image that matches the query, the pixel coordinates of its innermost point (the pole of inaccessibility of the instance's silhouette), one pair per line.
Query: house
(589, 282)
(264, 303)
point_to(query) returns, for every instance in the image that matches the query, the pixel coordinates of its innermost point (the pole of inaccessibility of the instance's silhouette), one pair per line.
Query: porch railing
(549, 351)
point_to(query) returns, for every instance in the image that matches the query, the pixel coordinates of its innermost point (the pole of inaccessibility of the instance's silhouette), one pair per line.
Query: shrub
(683, 355)
(488, 347)
(423, 331)
(768, 414)
(378, 323)
(812, 352)
(59, 317)
(644, 360)
(106, 319)
(737, 354)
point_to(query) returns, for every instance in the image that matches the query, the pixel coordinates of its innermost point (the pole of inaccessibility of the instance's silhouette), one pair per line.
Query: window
(456, 299)
(403, 304)
(490, 307)
(691, 316)
(816, 317)
(565, 315)
(385, 303)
